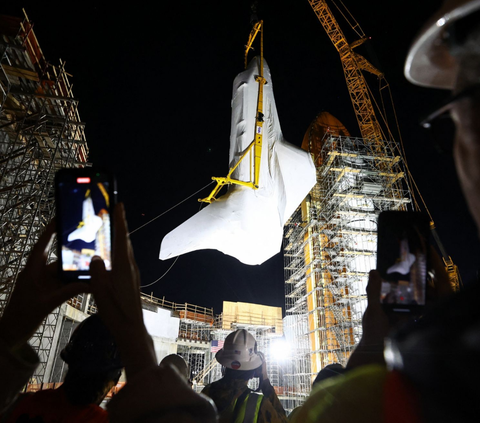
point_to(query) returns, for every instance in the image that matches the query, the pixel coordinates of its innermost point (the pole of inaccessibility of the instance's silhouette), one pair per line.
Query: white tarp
(247, 223)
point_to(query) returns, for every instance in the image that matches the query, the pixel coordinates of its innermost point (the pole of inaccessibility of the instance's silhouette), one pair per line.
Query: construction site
(329, 242)
(41, 132)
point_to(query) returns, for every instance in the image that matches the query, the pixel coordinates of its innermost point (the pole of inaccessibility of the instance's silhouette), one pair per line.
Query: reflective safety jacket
(246, 408)
(235, 401)
(367, 394)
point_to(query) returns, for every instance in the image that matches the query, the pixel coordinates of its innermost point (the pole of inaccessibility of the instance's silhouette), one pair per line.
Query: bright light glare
(280, 350)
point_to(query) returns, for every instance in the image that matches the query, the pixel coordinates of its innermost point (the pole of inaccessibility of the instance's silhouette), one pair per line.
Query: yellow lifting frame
(256, 144)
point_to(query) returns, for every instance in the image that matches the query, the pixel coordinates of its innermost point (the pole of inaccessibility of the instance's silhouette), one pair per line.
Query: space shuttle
(91, 223)
(247, 223)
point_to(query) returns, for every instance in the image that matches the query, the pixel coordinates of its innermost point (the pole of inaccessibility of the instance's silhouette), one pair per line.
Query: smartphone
(403, 259)
(84, 217)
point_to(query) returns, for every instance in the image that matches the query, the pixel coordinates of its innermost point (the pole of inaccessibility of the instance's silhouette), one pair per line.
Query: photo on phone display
(402, 258)
(84, 220)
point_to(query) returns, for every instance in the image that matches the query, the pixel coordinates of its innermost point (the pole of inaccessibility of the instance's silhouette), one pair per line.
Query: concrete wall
(160, 324)
(163, 328)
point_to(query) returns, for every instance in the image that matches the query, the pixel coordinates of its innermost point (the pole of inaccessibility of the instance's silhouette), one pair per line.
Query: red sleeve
(401, 400)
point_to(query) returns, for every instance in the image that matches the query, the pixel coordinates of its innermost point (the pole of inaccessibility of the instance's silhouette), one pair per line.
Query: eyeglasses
(447, 105)
(440, 128)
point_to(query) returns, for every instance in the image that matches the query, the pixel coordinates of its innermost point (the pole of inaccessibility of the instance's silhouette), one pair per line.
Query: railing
(253, 319)
(76, 302)
(185, 310)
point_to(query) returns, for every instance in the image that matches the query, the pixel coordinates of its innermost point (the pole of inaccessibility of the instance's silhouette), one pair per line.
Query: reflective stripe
(250, 408)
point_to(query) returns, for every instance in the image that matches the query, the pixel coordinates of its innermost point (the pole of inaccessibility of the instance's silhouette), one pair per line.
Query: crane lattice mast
(352, 64)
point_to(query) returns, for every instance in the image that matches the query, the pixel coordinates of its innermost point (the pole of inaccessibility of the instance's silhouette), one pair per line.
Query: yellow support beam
(255, 146)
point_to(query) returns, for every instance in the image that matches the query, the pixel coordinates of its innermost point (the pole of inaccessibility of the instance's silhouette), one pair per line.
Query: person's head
(239, 355)
(179, 363)
(94, 364)
(329, 371)
(446, 55)
(439, 355)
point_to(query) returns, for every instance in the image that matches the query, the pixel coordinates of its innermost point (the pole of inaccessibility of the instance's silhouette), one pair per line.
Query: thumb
(97, 270)
(96, 265)
(374, 287)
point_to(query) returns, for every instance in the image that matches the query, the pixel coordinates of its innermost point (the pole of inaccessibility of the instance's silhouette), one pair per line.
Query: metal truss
(40, 132)
(330, 246)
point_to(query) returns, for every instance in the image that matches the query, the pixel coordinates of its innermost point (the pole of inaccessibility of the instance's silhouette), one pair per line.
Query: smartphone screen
(402, 259)
(85, 200)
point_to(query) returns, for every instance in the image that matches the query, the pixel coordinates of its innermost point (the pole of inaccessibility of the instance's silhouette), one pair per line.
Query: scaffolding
(266, 326)
(194, 335)
(200, 329)
(330, 246)
(40, 132)
(298, 374)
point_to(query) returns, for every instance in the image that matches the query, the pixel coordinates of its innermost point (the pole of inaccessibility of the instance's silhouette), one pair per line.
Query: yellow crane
(353, 64)
(255, 146)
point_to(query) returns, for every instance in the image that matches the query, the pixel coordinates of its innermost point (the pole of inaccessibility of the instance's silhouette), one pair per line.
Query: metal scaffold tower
(298, 375)
(40, 132)
(330, 246)
(330, 241)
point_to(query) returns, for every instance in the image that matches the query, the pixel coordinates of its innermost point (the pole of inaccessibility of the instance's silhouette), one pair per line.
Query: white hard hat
(178, 362)
(239, 351)
(429, 62)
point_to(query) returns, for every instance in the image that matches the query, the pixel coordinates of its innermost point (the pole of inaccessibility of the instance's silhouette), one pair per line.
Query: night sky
(155, 82)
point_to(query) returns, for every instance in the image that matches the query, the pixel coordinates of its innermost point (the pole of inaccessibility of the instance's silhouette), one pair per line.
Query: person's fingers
(67, 291)
(57, 291)
(99, 282)
(133, 263)
(38, 256)
(121, 241)
(97, 271)
(52, 268)
(374, 287)
(51, 279)
(123, 246)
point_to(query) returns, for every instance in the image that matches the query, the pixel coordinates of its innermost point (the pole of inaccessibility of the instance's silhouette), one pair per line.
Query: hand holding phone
(403, 259)
(84, 203)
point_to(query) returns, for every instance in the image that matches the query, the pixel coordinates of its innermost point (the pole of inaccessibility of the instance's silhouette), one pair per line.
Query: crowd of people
(417, 369)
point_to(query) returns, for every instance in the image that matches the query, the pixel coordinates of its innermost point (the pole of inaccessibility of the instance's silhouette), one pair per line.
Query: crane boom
(352, 64)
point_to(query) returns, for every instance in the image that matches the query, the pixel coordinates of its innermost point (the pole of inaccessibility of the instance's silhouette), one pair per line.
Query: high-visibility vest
(248, 410)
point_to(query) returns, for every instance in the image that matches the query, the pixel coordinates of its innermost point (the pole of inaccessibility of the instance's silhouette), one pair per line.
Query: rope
(171, 208)
(150, 284)
(420, 194)
(410, 181)
(374, 103)
(410, 176)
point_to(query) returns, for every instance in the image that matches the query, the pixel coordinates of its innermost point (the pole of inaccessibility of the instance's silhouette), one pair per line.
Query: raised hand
(117, 294)
(37, 292)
